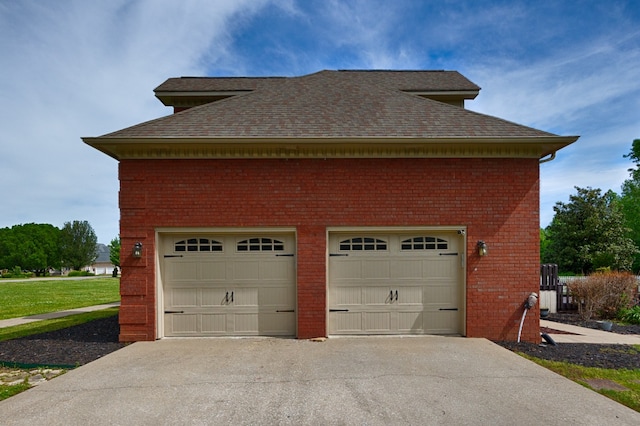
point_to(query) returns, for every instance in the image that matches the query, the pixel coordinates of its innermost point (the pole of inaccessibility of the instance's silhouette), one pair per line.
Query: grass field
(630, 379)
(32, 297)
(8, 391)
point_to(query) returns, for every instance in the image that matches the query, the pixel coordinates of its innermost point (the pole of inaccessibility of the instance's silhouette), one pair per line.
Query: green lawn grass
(627, 378)
(32, 297)
(7, 391)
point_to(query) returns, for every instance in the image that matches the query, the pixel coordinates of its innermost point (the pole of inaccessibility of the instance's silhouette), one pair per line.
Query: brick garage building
(341, 202)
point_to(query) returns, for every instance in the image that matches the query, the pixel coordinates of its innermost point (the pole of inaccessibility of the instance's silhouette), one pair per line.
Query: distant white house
(102, 265)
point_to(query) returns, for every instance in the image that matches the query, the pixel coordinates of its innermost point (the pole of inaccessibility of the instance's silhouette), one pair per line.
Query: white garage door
(229, 285)
(396, 283)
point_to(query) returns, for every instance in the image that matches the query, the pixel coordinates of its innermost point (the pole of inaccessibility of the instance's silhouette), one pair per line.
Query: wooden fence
(550, 281)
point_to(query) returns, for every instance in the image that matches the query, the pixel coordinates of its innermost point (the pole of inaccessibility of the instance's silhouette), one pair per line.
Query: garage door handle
(338, 310)
(448, 309)
(337, 254)
(174, 312)
(286, 310)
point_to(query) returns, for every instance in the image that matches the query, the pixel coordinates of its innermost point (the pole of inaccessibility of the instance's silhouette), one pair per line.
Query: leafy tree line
(39, 247)
(595, 230)
(630, 201)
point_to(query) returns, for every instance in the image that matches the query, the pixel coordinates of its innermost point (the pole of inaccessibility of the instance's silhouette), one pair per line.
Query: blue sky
(86, 68)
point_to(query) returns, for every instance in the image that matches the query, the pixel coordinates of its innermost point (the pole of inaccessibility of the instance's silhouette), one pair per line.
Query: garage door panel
(182, 324)
(402, 284)
(214, 323)
(243, 297)
(442, 268)
(410, 321)
(441, 322)
(184, 297)
(213, 271)
(347, 322)
(377, 296)
(182, 271)
(440, 295)
(276, 324)
(377, 322)
(407, 269)
(245, 324)
(279, 269)
(375, 269)
(409, 295)
(276, 296)
(212, 297)
(228, 285)
(263, 270)
(246, 270)
(342, 270)
(346, 295)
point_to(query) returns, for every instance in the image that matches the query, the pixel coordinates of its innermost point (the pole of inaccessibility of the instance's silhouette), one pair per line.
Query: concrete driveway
(373, 381)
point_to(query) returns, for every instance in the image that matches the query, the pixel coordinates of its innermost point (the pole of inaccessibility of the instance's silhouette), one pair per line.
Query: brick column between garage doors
(311, 271)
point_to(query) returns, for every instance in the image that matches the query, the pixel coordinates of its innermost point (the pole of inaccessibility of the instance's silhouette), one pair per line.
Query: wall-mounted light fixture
(137, 249)
(482, 248)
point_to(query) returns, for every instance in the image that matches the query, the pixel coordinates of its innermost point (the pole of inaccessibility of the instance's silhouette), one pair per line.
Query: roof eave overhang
(445, 94)
(389, 147)
(192, 98)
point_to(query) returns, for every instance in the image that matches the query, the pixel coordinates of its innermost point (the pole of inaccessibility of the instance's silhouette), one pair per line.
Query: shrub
(17, 273)
(631, 315)
(603, 294)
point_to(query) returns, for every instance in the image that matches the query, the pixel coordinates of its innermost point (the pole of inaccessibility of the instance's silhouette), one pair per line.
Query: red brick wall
(497, 199)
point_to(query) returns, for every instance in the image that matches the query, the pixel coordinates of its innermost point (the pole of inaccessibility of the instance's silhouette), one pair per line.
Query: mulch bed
(70, 347)
(84, 343)
(587, 355)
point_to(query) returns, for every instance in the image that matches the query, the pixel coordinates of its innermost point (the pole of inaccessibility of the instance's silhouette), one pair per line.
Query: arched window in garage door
(424, 243)
(197, 245)
(363, 244)
(260, 244)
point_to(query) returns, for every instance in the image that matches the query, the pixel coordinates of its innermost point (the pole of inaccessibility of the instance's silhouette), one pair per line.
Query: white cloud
(75, 68)
(588, 88)
(81, 68)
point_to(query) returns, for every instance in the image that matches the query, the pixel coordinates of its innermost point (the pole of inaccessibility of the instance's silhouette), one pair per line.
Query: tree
(630, 200)
(589, 233)
(114, 251)
(545, 240)
(32, 247)
(78, 244)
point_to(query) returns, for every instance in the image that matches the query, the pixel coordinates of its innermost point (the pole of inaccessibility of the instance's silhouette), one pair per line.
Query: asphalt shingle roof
(337, 114)
(402, 80)
(328, 104)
